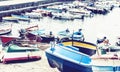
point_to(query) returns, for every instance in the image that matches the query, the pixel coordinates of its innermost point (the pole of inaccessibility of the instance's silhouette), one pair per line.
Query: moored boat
(9, 19)
(67, 35)
(33, 15)
(62, 16)
(68, 57)
(21, 17)
(44, 37)
(39, 34)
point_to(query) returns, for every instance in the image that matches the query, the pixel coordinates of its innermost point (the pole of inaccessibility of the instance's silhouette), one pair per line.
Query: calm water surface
(100, 25)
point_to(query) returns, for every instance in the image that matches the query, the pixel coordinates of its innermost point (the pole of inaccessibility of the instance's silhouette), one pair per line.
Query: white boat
(33, 15)
(81, 11)
(21, 17)
(5, 29)
(9, 19)
(43, 12)
(63, 15)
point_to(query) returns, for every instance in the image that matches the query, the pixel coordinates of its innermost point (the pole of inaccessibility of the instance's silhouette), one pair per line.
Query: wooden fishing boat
(41, 35)
(71, 56)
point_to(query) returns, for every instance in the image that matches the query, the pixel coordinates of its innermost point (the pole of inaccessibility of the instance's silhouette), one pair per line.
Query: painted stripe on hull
(21, 58)
(12, 59)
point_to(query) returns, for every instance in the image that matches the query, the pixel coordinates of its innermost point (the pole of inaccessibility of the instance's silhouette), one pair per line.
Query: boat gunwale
(72, 42)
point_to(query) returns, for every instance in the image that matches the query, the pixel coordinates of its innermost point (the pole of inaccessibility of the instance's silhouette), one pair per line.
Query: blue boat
(67, 35)
(21, 17)
(67, 56)
(9, 19)
(78, 36)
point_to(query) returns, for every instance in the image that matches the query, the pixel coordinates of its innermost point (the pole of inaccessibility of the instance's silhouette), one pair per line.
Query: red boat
(18, 50)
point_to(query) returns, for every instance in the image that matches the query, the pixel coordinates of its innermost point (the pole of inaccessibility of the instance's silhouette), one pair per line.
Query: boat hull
(47, 39)
(68, 60)
(65, 65)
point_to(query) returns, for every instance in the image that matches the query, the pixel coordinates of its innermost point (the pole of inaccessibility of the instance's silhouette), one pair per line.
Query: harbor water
(97, 26)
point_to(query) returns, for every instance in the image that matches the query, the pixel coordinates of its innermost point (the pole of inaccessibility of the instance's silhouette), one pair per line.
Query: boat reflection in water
(71, 56)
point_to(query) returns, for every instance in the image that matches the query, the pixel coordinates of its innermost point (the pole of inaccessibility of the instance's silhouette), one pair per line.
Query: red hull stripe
(12, 59)
(21, 58)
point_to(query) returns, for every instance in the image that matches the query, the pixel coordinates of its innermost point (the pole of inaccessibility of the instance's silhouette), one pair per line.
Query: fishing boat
(81, 12)
(78, 35)
(106, 59)
(44, 36)
(5, 29)
(64, 35)
(97, 10)
(42, 11)
(67, 35)
(9, 19)
(21, 17)
(14, 49)
(62, 16)
(33, 15)
(40, 34)
(71, 56)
